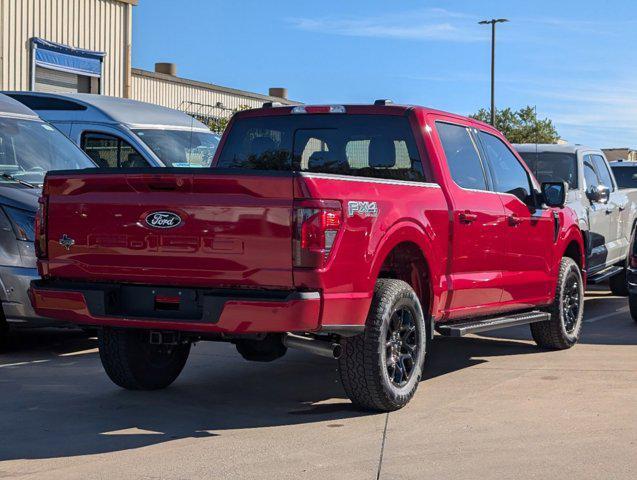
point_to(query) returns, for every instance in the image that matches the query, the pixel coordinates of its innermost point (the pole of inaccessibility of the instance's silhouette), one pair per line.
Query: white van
(122, 133)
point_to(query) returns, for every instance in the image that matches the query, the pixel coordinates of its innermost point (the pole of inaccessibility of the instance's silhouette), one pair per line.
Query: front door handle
(467, 217)
(514, 220)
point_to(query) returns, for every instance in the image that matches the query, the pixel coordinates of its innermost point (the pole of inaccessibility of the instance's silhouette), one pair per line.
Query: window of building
(60, 68)
(463, 159)
(109, 151)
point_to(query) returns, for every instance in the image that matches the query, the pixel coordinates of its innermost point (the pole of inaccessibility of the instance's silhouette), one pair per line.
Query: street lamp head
(493, 21)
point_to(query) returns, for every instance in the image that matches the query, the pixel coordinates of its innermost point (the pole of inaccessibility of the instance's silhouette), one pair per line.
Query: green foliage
(521, 126)
(219, 124)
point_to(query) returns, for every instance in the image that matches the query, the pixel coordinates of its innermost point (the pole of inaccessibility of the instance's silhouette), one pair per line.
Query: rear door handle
(514, 220)
(467, 217)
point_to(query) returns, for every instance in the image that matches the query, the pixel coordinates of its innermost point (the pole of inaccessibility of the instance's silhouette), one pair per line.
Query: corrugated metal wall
(177, 95)
(99, 25)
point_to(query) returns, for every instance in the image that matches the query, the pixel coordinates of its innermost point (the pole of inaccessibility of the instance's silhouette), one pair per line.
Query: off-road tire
(363, 365)
(268, 349)
(133, 363)
(553, 334)
(632, 305)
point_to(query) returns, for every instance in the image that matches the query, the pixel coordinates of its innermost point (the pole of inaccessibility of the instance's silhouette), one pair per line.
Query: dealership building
(85, 46)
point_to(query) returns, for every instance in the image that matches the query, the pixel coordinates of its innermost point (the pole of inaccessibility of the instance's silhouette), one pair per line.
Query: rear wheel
(632, 304)
(4, 330)
(564, 328)
(268, 349)
(132, 362)
(380, 368)
(619, 284)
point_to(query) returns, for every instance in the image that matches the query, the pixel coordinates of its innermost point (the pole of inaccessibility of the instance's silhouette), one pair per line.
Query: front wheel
(132, 362)
(380, 368)
(564, 328)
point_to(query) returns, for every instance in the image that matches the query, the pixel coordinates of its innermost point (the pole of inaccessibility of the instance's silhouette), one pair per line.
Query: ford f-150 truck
(606, 213)
(348, 231)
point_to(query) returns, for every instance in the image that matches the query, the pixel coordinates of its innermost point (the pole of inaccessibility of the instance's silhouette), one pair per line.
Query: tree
(521, 126)
(219, 124)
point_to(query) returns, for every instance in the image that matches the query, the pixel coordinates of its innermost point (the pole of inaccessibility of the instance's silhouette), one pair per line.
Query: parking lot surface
(491, 406)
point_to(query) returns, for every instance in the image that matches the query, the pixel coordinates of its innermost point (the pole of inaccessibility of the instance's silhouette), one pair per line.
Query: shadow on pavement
(67, 406)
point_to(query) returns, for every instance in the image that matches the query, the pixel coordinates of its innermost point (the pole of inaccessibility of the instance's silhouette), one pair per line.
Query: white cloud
(430, 24)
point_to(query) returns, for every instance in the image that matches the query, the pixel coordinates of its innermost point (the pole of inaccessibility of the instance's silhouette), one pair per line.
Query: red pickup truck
(350, 231)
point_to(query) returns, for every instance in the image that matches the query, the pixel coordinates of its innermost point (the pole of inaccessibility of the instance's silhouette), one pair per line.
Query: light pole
(492, 22)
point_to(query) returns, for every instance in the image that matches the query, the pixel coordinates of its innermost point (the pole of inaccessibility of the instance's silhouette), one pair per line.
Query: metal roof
(11, 107)
(211, 86)
(102, 108)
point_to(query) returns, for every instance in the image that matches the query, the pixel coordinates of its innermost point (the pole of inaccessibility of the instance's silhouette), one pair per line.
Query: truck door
(477, 245)
(598, 221)
(616, 213)
(530, 232)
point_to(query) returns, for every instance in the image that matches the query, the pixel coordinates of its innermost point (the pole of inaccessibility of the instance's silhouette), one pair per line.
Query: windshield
(626, 176)
(552, 166)
(181, 148)
(29, 148)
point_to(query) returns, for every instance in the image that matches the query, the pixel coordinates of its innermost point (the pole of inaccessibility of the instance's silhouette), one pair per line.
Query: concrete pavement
(492, 406)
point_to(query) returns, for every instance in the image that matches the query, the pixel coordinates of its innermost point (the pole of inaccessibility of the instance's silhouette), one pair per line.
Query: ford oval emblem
(163, 220)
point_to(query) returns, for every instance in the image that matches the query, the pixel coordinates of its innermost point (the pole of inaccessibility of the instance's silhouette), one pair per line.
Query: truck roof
(101, 108)
(387, 108)
(11, 107)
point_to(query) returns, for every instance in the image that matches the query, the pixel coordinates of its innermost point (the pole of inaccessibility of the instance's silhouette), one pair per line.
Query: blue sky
(575, 60)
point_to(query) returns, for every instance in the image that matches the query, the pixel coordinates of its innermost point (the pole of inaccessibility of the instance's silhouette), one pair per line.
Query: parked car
(123, 133)
(606, 213)
(625, 173)
(349, 231)
(29, 148)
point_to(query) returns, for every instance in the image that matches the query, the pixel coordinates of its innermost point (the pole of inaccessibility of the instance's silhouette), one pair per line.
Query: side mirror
(554, 193)
(598, 194)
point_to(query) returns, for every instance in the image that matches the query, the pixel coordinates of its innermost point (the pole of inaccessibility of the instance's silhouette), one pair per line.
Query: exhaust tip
(337, 351)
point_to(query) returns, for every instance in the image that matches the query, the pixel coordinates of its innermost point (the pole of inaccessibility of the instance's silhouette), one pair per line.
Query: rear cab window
(377, 146)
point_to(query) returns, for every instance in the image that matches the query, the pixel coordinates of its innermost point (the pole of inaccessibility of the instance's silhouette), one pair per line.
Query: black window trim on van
(119, 145)
(488, 180)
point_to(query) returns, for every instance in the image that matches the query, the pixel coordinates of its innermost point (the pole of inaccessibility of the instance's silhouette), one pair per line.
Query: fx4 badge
(362, 209)
(67, 242)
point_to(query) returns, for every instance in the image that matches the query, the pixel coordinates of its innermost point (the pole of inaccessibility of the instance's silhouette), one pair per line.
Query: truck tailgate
(199, 229)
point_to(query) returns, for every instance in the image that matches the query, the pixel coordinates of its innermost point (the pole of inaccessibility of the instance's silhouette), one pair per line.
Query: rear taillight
(633, 261)
(316, 226)
(41, 249)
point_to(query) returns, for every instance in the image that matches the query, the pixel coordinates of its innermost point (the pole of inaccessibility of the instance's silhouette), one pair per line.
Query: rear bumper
(14, 287)
(206, 311)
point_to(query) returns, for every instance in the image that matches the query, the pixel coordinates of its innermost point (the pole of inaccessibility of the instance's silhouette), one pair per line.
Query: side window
(509, 175)
(462, 157)
(602, 170)
(590, 175)
(109, 151)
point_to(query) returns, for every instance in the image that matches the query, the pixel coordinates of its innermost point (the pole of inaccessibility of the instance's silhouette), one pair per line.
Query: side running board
(604, 275)
(460, 329)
